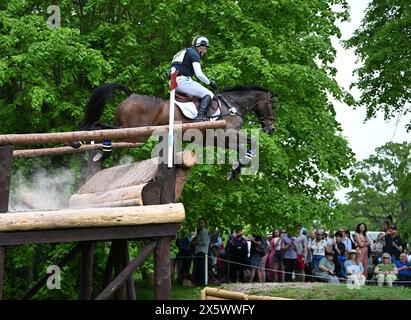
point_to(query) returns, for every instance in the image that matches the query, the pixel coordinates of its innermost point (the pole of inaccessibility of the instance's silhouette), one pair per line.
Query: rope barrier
(282, 271)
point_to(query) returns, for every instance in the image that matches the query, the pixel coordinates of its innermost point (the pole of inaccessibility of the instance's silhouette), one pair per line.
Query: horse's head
(264, 110)
(256, 99)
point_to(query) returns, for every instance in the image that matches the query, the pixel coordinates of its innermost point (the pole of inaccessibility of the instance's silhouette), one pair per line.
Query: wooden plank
(162, 270)
(127, 272)
(92, 217)
(108, 272)
(42, 281)
(99, 135)
(86, 271)
(43, 152)
(6, 157)
(121, 176)
(88, 234)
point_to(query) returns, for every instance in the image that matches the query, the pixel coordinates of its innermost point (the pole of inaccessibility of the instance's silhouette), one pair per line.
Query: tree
(382, 43)
(383, 188)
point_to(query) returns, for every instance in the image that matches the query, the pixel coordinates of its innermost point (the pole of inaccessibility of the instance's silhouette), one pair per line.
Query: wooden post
(131, 290)
(127, 272)
(86, 271)
(162, 271)
(6, 157)
(120, 293)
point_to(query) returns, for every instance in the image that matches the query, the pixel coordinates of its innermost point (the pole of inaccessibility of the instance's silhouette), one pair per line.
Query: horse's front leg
(246, 161)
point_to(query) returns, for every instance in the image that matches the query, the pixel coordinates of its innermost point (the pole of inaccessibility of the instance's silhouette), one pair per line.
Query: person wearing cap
(326, 269)
(386, 271)
(187, 64)
(393, 243)
(354, 268)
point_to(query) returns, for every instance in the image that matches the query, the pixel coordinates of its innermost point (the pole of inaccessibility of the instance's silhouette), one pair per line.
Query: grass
(316, 291)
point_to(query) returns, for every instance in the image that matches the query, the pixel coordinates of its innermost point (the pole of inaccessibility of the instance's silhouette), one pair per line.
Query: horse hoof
(236, 165)
(75, 145)
(232, 174)
(98, 157)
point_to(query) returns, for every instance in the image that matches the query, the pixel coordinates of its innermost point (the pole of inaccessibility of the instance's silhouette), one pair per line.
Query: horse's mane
(246, 88)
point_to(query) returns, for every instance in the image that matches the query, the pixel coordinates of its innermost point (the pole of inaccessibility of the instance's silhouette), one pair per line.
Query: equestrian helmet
(200, 41)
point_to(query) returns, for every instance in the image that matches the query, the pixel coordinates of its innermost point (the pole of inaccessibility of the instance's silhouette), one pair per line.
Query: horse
(142, 110)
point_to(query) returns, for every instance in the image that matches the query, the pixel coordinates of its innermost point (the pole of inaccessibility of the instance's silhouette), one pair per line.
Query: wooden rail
(99, 135)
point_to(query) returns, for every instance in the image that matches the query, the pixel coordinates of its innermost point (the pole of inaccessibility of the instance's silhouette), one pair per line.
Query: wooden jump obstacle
(135, 202)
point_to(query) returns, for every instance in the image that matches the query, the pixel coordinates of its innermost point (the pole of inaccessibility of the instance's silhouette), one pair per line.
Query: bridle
(264, 118)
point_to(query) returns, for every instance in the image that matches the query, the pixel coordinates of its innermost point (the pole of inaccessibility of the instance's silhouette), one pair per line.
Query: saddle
(184, 98)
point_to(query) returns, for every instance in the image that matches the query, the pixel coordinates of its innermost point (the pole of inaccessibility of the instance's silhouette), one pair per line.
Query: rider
(187, 63)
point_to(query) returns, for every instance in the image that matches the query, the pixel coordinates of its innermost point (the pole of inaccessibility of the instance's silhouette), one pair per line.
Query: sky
(363, 137)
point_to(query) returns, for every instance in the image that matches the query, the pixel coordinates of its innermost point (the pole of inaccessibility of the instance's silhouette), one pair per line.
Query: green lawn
(314, 291)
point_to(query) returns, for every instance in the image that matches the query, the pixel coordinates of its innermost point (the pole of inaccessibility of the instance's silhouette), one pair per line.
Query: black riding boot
(202, 111)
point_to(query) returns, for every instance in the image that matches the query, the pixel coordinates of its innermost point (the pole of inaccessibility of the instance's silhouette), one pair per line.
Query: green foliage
(383, 44)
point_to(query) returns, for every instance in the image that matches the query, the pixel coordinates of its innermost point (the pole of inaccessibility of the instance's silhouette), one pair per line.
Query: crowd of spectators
(295, 255)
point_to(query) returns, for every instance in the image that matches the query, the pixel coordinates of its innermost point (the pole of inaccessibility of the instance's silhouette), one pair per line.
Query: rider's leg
(202, 111)
(189, 86)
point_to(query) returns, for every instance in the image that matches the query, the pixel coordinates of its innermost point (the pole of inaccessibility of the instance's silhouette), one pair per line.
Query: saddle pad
(190, 111)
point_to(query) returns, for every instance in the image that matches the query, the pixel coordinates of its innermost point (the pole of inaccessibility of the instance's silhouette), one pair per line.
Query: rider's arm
(199, 73)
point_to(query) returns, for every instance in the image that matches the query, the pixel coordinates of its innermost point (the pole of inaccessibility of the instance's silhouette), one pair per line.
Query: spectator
(393, 243)
(264, 259)
(237, 251)
(361, 245)
(273, 273)
(339, 255)
(404, 269)
(278, 266)
(354, 269)
(346, 239)
(201, 242)
(257, 252)
(289, 247)
(318, 248)
(326, 269)
(386, 271)
(184, 258)
(309, 258)
(301, 246)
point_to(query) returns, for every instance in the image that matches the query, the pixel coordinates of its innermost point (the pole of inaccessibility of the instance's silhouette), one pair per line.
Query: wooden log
(162, 270)
(108, 271)
(6, 157)
(42, 281)
(127, 272)
(28, 153)
(86, 271)
(181, 177)
(92, 217)
(124, 203)
(116, 195)
(99, 135)
(225, 294)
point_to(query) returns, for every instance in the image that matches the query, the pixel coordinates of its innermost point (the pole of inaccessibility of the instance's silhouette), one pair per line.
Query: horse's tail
(97, 102)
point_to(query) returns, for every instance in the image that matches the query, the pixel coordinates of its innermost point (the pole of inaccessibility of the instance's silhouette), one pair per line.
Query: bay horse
(142, 110)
